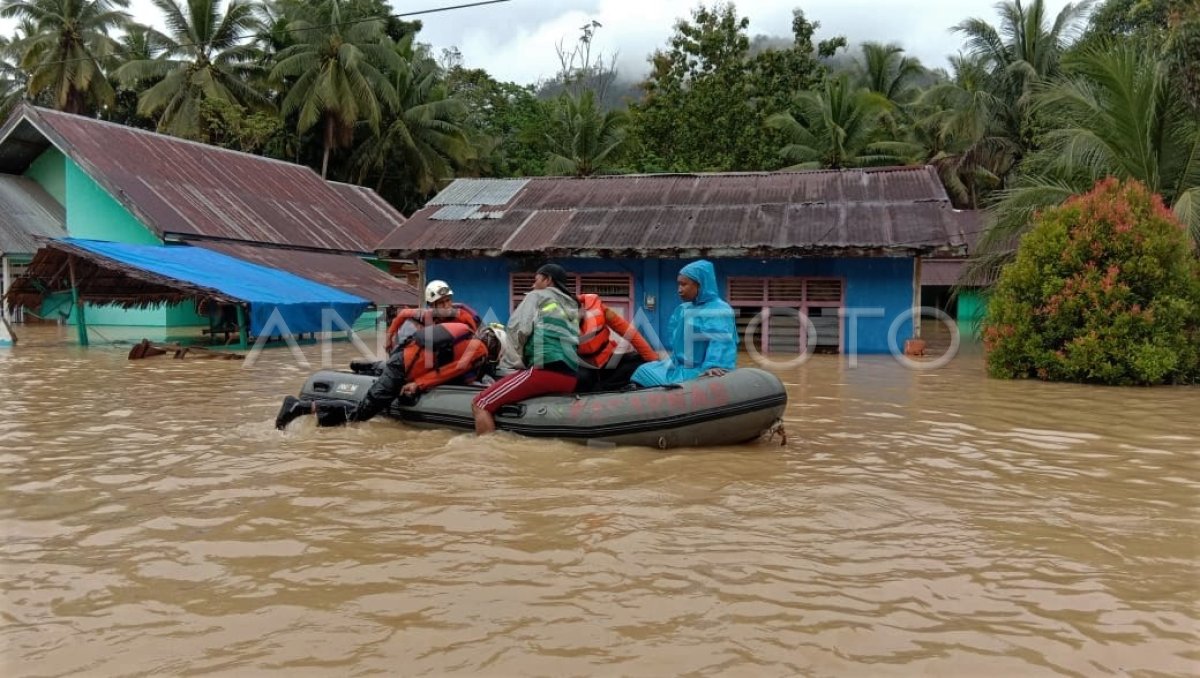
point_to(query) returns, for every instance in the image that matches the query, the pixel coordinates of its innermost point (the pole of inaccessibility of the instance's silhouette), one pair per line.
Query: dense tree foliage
(707, 98)
(1035, 108)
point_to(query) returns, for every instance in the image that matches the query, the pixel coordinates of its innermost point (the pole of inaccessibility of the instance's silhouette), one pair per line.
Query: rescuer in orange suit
(440, 308)
(601, 367)
(438, 354)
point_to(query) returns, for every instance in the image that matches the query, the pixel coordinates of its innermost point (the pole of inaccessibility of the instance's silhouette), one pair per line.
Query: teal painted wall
(180, 315)
(49, 171)
(92, 213)
(184, 315)
(972, 308)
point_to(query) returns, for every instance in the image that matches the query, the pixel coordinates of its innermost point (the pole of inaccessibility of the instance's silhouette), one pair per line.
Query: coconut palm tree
(885, 70)
(63, 55)
(582, 140)
(963, 126)
(336, 76)
(1121, 117)
(12, 78)
(137, 43)
(140, 42)
(1028, 45)
(836, 128)
(206, 57)
(1025, 50)
(423, 140)
(275, 31)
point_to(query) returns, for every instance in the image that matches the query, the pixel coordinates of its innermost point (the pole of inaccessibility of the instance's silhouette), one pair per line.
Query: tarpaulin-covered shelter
(267, 301)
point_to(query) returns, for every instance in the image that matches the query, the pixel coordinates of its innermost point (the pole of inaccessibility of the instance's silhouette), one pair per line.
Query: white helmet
(437, 289)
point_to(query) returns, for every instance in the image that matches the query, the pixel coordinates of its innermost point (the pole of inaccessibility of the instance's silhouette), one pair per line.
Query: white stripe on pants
(503, 389)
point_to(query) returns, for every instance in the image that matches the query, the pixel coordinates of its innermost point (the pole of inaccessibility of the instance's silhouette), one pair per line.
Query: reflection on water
(916, 523)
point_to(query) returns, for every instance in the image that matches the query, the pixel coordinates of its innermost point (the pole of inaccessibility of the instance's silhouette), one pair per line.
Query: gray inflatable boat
(735, 408)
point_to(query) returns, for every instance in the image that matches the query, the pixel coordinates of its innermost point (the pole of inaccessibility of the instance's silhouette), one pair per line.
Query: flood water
(916, 523)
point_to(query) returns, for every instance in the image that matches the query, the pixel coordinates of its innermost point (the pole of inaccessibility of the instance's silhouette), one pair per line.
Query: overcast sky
(516, 40)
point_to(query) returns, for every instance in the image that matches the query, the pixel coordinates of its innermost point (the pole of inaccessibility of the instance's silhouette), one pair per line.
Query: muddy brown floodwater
(916, 523)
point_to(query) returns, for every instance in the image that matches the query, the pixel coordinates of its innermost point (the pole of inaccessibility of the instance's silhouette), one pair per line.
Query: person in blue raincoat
(702, 332)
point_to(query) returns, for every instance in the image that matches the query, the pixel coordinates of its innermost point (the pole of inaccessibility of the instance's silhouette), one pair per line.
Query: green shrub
(1104, 289)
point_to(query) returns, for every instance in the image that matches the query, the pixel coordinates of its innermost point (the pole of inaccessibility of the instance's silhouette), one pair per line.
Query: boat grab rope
(776, 430)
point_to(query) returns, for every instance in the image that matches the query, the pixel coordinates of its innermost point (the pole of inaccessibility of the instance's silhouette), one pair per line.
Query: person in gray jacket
(544, 332)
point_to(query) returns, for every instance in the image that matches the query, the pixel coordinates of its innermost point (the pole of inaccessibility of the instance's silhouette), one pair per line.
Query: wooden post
(243, 331)
(916, 298)
(915, 346)
(421, 282)
(80, 319)
(7, 286)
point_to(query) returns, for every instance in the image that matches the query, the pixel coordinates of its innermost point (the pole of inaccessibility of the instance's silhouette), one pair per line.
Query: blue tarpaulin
(300, 301)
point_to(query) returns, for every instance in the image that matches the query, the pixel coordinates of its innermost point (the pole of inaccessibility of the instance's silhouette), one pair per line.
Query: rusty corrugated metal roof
(866, 211)
(943, 272)
(380, 213)
(345, 272)
(947, 271)
(195, 191)
(27, 214)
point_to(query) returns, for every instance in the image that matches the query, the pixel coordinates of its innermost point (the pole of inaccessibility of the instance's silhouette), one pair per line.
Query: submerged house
(116, 184)
(840, 248)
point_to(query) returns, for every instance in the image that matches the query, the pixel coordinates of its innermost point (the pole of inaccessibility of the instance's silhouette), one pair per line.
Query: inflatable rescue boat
(735, 408)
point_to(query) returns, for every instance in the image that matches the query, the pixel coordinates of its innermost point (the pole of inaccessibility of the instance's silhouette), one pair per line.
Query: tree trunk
(328, 143)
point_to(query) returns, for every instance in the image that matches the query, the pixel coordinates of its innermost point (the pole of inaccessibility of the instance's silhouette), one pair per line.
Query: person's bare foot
(484, 422)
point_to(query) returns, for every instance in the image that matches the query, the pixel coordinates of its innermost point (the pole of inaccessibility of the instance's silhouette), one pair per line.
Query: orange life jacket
(425, 317)
(441, 352)
(596, 344)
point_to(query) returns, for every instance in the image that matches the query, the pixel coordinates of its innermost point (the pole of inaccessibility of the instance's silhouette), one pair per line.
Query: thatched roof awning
(102, 281)
(141, 276)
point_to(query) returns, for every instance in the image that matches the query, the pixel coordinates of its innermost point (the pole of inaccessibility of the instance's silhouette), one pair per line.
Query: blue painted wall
(878, 283)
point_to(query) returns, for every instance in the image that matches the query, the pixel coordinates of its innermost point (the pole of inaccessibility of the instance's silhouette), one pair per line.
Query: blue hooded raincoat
(702, 334)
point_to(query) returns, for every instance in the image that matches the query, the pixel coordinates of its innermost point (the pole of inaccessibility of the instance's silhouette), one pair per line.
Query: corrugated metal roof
(345, 272)
(868, 211)
(27, 214)
(455, 212)
(943, 272)
(947, 271)
(179, 187)
(378, 211)
(479, 192)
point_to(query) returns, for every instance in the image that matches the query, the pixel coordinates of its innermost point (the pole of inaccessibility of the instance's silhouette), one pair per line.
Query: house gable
(50, 172)
(93, 214)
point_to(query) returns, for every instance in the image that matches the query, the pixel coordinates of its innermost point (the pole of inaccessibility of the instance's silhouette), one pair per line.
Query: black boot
(292, 408)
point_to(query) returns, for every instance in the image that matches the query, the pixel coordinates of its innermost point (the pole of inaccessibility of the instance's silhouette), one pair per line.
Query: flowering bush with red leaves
(1105, 289)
